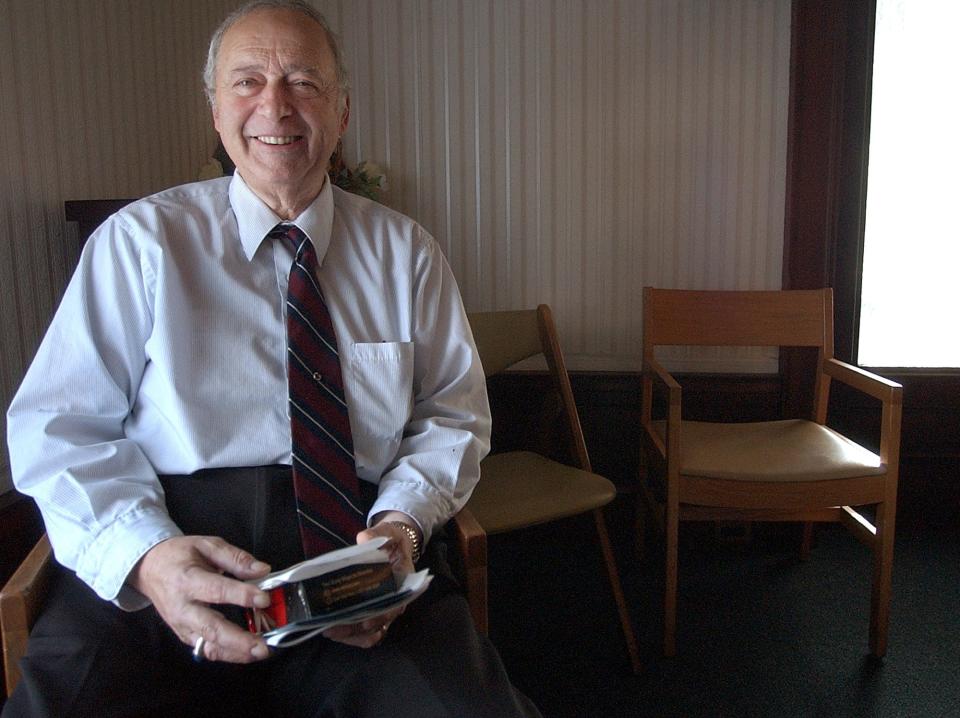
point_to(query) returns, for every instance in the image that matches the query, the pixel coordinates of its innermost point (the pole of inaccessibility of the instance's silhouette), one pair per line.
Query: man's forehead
(241, 65)
(256, 39)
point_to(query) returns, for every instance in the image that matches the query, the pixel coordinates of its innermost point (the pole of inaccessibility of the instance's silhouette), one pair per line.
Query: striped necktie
(329, 502)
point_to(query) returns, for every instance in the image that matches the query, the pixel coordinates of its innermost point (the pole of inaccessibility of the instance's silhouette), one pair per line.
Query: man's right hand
(183, 575)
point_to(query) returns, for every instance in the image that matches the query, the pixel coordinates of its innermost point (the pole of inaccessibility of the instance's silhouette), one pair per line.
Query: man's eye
(245, 85)
(305, 88)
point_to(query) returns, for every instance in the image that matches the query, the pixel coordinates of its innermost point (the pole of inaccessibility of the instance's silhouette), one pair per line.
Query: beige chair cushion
(790, 450)
(520, 488)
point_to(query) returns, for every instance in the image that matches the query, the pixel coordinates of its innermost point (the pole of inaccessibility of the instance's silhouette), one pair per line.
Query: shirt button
(318, 377)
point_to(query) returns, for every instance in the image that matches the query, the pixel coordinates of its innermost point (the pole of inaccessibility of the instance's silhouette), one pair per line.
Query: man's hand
(369, 633)
(183, 575)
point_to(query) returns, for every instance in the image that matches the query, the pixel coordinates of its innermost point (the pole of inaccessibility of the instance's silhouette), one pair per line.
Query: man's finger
(179, 577)
(223, 641)
(231, 559)
(209, 587)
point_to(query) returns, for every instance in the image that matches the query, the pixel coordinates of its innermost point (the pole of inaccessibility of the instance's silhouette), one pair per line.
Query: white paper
(368, 552)
(291, 634)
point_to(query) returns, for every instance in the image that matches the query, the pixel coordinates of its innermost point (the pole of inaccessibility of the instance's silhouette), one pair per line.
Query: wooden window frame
(827, 160)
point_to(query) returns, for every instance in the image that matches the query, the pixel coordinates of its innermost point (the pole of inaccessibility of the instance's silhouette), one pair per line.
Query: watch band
(414, 536)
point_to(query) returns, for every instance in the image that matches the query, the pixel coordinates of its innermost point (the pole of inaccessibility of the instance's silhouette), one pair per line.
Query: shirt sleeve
(99, 495)
(448, 433)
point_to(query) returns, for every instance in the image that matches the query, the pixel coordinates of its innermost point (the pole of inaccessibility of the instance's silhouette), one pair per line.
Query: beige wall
(98, 99)
(571, 151)
(561, 151)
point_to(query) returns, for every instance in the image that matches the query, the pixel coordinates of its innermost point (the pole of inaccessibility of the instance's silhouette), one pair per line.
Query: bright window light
(910, 293)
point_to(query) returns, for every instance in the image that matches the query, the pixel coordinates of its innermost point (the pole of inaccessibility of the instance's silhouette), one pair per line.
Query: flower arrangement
(366, 179)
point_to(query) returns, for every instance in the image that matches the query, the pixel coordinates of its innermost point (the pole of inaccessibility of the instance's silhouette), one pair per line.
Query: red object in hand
(274, 616)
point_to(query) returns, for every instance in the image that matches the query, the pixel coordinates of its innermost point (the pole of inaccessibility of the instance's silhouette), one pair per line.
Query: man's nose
(275, 101)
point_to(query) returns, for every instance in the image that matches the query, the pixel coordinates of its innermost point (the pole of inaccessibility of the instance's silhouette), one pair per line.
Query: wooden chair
(789, 470)
(518, 489)
(22, 597)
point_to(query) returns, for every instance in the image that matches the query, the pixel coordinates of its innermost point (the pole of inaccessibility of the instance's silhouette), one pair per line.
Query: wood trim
(692, 512)
(90, 213)
(20, 528)
(472, 550)
(831, 57)
(20, 602)
(827, 160)
(780, 494)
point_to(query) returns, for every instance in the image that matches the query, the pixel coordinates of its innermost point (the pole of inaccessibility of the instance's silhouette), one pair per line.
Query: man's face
(277, 104)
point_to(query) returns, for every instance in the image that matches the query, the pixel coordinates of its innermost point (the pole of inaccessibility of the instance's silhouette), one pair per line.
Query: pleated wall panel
(571, 151)
(561, 151)
(98, 99)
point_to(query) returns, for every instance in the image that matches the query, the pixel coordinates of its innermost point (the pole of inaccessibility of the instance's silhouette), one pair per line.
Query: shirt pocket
(381, 402)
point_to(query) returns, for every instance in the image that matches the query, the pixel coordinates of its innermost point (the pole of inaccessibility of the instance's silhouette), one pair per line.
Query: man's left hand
(369, 633)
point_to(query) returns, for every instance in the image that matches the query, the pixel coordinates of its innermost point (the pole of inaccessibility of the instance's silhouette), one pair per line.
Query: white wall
(571, 151)
(98, 99)
(561, 151)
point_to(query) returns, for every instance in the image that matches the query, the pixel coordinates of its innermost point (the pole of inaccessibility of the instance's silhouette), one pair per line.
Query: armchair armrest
(471, 542)
(890, 394)
(655, 368)
(20, 602)
(652, 369)
(862, 380)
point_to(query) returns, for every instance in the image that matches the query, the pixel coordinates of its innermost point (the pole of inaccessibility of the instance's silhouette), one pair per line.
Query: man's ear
(216, 116)
(345, 115)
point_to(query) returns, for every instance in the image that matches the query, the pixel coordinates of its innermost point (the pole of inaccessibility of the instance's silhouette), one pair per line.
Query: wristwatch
(411, 533)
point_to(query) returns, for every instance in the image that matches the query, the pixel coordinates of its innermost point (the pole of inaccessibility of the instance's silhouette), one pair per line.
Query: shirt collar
(255, 219)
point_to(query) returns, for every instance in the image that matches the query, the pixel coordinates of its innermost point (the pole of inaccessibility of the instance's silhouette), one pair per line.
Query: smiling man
(280, 104)
(169, 461)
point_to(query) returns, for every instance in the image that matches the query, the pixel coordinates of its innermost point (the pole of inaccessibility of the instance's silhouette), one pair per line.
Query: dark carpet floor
(760, 633)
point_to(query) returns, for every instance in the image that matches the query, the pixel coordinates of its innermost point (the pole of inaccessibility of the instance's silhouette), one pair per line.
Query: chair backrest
(684, 317)
(505, 338)
(788, 318)
(90, 214)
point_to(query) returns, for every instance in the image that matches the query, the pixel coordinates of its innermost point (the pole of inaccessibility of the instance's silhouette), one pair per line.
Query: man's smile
(278, 139)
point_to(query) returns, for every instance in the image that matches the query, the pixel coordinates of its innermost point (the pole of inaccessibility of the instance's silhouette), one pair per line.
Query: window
(911, 263)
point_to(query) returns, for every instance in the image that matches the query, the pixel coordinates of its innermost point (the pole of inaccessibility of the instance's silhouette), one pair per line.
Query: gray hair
(210, 69)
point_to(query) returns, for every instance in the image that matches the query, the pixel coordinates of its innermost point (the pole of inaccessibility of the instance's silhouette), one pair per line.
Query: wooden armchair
(790, 470)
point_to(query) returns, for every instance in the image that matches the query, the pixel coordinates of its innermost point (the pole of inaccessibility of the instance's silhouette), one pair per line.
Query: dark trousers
(86, 657)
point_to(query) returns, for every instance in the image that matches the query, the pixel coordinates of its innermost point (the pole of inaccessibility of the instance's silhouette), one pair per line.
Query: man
(153, 427)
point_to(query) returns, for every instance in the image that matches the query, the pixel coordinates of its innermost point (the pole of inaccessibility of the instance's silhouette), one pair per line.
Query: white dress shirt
(168, 355)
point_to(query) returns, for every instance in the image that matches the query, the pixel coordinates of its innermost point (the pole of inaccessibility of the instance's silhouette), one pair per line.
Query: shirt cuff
(105, 564)
(425, 513)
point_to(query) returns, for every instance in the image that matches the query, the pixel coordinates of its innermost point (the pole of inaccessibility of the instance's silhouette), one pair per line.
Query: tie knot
(290, 233)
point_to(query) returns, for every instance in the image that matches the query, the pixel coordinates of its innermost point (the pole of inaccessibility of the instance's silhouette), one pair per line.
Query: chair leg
(882, 579)
(611, 563)
(640, 526)
(670, 580)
